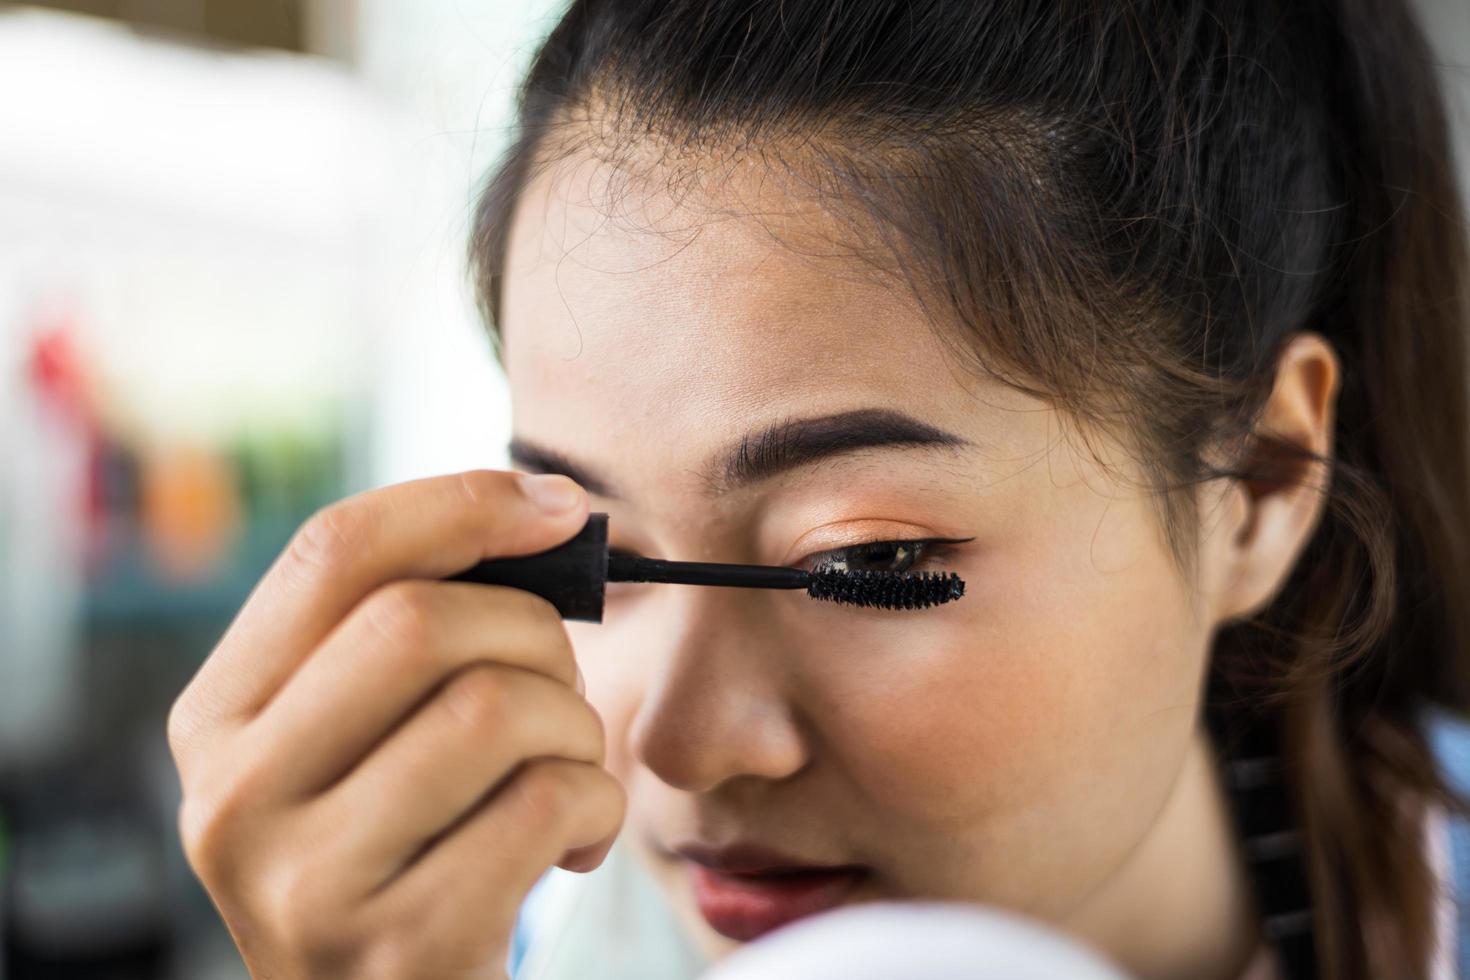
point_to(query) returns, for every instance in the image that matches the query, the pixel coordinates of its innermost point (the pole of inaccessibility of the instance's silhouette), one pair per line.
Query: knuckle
(486, 488)
(402, 613)
(478, 699)
(206, 829)
(543, 616)
(545, 791)
(550, 629)
(518, 607)
(608, 804)
(295, 896)
(214, 817)
(327, 539)
(542, 624)
(605, 794)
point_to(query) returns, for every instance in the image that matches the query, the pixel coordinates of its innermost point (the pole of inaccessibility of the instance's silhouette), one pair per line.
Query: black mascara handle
(572, 576)
(632, 568)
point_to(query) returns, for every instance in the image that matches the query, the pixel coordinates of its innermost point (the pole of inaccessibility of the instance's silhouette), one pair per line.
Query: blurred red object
(59, 377)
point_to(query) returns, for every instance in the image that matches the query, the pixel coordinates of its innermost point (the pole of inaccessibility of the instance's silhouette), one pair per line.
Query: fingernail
(581, 684)
(552, 492)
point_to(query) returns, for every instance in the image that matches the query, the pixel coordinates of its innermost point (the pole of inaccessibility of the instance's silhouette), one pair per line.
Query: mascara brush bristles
(859, 587)
(885, 590)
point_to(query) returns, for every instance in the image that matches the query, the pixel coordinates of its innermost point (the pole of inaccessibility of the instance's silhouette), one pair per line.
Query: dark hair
(1128, 208)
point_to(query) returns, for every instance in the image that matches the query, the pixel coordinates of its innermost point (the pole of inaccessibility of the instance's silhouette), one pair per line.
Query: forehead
(662, 320)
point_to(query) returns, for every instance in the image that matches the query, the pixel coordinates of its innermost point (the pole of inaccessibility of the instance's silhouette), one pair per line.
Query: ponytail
(1352, 728)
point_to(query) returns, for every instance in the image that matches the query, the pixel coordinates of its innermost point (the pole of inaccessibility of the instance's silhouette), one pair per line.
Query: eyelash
(924, 551)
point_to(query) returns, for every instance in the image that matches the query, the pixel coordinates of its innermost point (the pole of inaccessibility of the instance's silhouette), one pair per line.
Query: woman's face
(1012, 747)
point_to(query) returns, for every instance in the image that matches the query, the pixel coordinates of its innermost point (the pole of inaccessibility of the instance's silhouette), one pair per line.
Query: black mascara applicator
(573, 577)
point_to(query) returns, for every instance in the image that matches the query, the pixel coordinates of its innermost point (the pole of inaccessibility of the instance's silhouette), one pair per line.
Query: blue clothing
(1449, 740)
(520, 939)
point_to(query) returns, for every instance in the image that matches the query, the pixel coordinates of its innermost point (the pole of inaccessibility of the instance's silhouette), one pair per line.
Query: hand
(378, 765)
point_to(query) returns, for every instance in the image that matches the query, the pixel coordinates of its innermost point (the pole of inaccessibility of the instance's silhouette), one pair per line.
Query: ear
(1269, 520)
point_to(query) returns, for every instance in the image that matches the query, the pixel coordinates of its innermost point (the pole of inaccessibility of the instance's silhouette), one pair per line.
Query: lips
(744, 892)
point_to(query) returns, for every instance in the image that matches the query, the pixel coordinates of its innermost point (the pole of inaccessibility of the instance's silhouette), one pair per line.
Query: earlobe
(1277, 503)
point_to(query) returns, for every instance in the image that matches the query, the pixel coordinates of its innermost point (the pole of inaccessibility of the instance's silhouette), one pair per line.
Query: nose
(717, 701)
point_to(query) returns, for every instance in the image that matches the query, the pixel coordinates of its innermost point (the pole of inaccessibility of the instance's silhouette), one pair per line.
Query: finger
(445, 759)
(485, 866)
(420, 529)
(385, 658)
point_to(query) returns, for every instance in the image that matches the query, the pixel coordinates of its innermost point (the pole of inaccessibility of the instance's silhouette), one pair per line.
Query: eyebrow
(775, 448)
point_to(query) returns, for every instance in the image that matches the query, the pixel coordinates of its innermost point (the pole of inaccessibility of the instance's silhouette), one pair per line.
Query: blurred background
(232, 289)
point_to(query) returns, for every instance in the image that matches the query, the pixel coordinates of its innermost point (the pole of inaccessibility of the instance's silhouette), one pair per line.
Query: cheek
(1049, 691)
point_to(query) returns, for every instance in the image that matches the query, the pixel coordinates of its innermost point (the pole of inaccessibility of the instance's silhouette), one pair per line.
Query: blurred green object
(282, 476)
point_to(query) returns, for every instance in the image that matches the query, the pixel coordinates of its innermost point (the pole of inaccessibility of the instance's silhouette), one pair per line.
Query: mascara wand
(573, 577)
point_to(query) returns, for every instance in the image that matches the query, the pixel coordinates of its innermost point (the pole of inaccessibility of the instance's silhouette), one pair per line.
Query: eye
(878, 556)
(884, 556)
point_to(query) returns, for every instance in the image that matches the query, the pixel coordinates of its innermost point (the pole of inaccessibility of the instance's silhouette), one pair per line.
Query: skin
(357, 795)
(377, 764)
(1036, 745)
